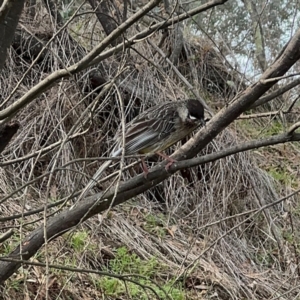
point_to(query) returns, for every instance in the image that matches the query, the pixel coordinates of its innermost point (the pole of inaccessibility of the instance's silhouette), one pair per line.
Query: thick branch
(10, 12)
(274, 140)
(265, 99)
(107, 22)
(81, 65)
(258, 34)
(99, 203)
(96, 204)
(228, 114)
(94, 57)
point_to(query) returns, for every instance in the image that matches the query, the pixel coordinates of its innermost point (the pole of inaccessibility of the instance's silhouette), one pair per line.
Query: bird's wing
(145, 132)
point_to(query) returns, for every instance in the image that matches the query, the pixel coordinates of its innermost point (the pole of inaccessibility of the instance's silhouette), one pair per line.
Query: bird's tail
(116, 151)
(95, 179)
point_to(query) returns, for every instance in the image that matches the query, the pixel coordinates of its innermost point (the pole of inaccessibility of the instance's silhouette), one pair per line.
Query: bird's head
(193, 113)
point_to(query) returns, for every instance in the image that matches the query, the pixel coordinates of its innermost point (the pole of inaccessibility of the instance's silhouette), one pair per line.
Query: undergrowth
(201, 234)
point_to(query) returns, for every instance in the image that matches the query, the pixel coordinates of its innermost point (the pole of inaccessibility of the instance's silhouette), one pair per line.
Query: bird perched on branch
(155, 130)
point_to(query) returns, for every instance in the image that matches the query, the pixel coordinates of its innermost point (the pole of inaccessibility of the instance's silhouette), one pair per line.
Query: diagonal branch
(101, 9)
(158, 26)
(99, 203)
(10, 12)
(46, 83)
(265, 99)
(274, 140)
(94, 57)
(228, 114)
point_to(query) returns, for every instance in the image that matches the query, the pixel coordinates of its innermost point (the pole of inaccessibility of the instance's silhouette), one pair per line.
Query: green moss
(254, 130)
(154, 225)
(274, 128)
(79, 241)
(143, 273)
(282, 175)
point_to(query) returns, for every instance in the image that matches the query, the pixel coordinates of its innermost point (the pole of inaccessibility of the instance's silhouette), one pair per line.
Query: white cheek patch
(192, 117)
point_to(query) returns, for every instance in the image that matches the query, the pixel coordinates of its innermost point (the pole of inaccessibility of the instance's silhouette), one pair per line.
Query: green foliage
(125, 262)
(5, 248)
(274, 128)
(239, 31)
(154, 225)
(142, 273)
(288, 236)
(265, 258)
(79, 240)
(10, 244)
(283, 175)
(254, 130)
(16, 285)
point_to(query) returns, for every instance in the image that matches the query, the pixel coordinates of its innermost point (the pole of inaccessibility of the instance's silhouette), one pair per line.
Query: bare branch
(107, 22)
(293, 128)
(274, 94)
(82, 64)
(162, 25)
(276, 139)
(99, 203)
(258, 34)
(264, 81)
(10, 12)
(6, 235)
(225, 116)
(94, 58)
(101, 273)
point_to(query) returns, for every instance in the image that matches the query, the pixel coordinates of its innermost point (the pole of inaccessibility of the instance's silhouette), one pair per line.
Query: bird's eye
(192, 117)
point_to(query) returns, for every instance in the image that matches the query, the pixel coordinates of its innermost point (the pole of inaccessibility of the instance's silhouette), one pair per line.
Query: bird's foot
(145, 168)
(170, 160)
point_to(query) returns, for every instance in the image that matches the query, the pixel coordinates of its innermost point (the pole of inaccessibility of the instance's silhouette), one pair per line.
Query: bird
(153, 131)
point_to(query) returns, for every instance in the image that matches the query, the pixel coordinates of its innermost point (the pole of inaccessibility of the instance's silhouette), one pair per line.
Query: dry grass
(202, 227)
